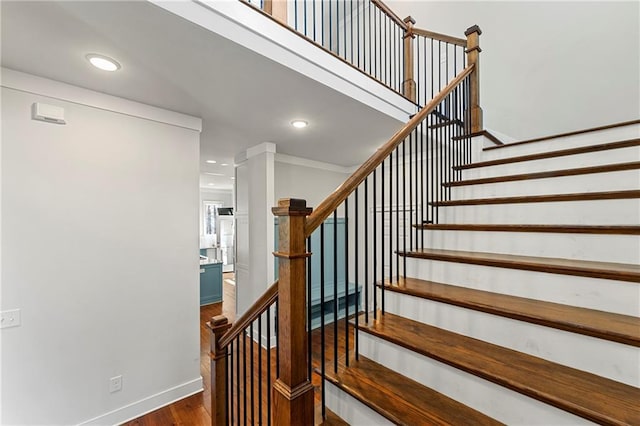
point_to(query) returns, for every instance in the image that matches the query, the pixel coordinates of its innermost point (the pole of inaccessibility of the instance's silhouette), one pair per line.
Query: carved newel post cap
(473, 29)
(291, 207)
(409, 19)
(219, 320)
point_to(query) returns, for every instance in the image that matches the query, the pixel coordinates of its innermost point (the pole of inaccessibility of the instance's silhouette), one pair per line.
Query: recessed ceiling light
(224, 164)
(213, 174)
(232, 178)
(211, 161)
(103, 62)
(299, 124)
(211, 184)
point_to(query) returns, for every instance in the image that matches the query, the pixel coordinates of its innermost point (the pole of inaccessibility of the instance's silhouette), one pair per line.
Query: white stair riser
(583, 212)
(491, 399)
(350, 409)
(606, 295)
(596, 182)
(600, 158)
(584, 139)
(562, 347)
(602, 248)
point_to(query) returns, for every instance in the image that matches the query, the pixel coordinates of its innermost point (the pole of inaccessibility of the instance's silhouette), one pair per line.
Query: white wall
(99, 251)
(305, 182)
(547, 67)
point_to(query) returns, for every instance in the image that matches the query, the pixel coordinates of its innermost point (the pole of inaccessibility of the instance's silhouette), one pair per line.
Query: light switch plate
(10, 318)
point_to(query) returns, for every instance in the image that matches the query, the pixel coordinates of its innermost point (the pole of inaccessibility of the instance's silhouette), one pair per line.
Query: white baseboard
(147, 405)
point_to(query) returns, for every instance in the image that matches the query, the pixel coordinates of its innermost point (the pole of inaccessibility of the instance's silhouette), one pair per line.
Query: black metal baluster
(309, 306)
(390, 221)
(433, 150)
(351, 29)
(398, 210)
(357, 282)
(411, 191)
(322, 348)
(422, 183)
(304, 8)
(404, 210)
(375, 46)
(335, 291)
(358, 33)
(244, 376)
(346, 278)
(366, 249)
(330, 28)
(238, 378)
(277, 333)
(369, 41)
(338, 28)
(251, 342)
(375, 248)
(269, 365)
(260, 379)
(416, 193)
(295, 14)
(417, 76)
(344, 27)
(231, 382)
(386, 53)
(382, 237)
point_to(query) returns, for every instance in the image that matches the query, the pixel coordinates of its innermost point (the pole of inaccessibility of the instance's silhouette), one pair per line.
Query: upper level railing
(369, 36)
(358, 234)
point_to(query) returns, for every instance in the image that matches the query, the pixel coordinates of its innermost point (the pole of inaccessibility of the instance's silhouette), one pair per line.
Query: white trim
(263, 148)
(29, 83)
(298, 161)
(147, 405)
(239, 23)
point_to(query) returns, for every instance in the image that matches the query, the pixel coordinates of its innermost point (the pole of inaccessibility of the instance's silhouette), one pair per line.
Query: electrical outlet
(10, 318)
(115, 384)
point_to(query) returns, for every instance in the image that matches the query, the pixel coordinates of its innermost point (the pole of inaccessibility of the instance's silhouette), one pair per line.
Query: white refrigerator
(225, 230)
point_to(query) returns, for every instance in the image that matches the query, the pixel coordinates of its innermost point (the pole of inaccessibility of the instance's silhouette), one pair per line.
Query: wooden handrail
(252, 314)
(348, 186)
(441, 37)
(387, 11)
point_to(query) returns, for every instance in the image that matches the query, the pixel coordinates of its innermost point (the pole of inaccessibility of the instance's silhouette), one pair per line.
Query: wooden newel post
(218, 326)
(473, 57)
(409, 83)
(277, 9)
(292, 390)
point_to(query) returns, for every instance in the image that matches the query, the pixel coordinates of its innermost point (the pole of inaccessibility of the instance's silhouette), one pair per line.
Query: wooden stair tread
(552, 154)
(582, 196)
(584, 268)
(332, 419)
(584, 394)
(565, 229)
(605, 325)
(400, 399)
(573, 133)
(543, 175)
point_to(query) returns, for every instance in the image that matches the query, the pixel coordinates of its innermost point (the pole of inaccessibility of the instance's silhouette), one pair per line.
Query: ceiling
(243, 98)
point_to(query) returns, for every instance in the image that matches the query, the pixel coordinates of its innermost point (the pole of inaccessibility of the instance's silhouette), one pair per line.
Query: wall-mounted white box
(48, 113)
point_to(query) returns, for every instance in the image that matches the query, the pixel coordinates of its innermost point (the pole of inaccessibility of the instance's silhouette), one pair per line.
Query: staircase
(522, 306)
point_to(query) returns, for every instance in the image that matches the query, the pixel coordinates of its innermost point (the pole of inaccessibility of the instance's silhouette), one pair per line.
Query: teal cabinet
(210, 283)
(337, 295)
